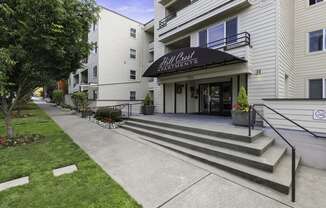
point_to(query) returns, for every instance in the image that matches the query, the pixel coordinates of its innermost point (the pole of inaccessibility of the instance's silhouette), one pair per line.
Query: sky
(140, 10)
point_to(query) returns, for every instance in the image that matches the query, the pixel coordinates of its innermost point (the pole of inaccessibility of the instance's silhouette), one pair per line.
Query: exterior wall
(113, 83)
(300, 111)
(308, 65)
(311, 149)
(285, 52)
(115, 63)
(259, 20)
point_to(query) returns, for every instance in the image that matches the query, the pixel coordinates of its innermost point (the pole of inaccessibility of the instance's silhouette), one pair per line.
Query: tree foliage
(40, 40)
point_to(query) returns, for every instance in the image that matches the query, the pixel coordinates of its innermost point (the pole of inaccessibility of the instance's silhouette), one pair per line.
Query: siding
(285, 62)
(299, 111)
(307, 65)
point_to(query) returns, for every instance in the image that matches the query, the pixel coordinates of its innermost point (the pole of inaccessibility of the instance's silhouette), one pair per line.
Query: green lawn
(89, 187)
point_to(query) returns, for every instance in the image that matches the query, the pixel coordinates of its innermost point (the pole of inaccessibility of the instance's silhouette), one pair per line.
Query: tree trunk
(9, 128)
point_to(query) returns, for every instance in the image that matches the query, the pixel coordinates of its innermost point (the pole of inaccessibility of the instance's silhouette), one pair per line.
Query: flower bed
(20, 140)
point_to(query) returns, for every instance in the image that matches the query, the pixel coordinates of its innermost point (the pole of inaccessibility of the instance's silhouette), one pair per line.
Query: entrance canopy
(190, 59)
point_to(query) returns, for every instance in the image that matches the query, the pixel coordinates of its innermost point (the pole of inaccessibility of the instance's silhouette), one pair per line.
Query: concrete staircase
(255, 158)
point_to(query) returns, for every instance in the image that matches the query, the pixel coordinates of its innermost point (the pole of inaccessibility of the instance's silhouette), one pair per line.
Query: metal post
(249, 121)
(293, 174)
(128, 110)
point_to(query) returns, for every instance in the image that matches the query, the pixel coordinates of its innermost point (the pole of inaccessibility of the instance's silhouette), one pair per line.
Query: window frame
(133, 75)
(323, 86)
(324, 41)
(133, 32)
(132, 98)
(95, 75)
(131, 55)
(219, 23)
(315, 2)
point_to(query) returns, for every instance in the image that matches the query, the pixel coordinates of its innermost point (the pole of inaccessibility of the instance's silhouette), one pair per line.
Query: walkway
(156, 177)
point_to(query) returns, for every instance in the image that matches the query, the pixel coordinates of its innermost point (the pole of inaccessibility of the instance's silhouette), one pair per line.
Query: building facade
(281, 43)
(112, 74)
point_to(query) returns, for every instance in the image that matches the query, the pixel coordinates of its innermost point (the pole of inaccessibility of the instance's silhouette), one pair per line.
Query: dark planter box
(148, 109)
(240, 118)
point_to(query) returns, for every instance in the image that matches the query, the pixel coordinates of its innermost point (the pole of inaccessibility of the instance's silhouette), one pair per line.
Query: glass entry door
(215, 98)
(204, 98)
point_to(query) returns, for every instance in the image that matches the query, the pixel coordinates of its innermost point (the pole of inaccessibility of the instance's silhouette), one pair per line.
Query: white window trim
(323, 86)
(219, 23)
(308, 42)
(313, 5)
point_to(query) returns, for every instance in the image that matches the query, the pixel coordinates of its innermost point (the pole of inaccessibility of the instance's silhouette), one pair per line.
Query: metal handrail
(250, 125)
(123, 105)
(230, 42)
(163, 22)
(287, 118)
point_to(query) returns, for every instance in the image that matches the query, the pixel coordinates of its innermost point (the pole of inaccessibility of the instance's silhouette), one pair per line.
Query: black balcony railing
(163, 22)
(230, 42)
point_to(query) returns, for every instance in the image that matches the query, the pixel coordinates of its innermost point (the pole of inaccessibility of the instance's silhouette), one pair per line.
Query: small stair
(254, 158)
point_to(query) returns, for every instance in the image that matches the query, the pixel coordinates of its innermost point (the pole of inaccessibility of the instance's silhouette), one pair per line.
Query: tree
(40, 40)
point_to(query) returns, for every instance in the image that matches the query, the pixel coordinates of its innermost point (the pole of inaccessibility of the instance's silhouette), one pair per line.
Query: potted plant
(80, 100)
(240, 111)
(148, 107)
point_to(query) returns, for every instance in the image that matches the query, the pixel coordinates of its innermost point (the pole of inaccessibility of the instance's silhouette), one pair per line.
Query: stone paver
(64, 170)
(14, 183)
(157, 177)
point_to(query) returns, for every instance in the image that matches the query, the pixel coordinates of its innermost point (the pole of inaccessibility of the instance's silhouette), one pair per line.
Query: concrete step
(279, 180)
(256, 147)
(266, 162)
(232, 134)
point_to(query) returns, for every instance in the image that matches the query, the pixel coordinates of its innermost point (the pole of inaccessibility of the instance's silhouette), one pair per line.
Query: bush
(108, 115)
(242, 101)
(148, 100)
(57, 97)
(80, 100)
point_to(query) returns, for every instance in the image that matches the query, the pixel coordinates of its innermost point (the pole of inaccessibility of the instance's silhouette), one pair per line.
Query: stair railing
(250, 125)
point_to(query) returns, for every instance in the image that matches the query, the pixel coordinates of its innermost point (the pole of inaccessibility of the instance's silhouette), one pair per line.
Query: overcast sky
(141, 10)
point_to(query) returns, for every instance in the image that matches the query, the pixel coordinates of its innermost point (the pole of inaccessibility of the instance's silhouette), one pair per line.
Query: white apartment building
(112, 74)
(274, 48)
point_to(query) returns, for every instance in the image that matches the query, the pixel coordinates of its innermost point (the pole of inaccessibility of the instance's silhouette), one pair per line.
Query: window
(316, 41)
(232, 30)
(94, 95)
(132, 95)
(313, 2)
(133, 32)
(203, 38)
(132, 53)
(95, 47)
(95, 71)
(132, 74)
(317, 88)
(215, 36)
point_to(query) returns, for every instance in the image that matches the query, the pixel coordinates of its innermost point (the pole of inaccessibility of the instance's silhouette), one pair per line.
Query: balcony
(151, 46)
(197, 14)
(234, 45)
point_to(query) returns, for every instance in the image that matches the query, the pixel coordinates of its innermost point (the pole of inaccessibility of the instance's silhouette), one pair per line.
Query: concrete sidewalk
(154, 177)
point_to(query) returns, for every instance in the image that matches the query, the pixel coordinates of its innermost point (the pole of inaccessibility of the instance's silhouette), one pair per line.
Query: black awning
(190, 59)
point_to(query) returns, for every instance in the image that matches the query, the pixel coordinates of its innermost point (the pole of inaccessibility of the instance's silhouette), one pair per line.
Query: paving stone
(14, 183)
(65, 170)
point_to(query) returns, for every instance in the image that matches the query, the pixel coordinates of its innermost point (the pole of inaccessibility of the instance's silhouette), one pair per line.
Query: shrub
(21, 140)
(80, 100)
(242, 101)
(148, 100)
(108, 115)
(57, 97)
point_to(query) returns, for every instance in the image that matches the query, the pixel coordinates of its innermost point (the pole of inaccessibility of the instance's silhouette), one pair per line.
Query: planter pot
(240, 118)
(148, 109)
(83, 114)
